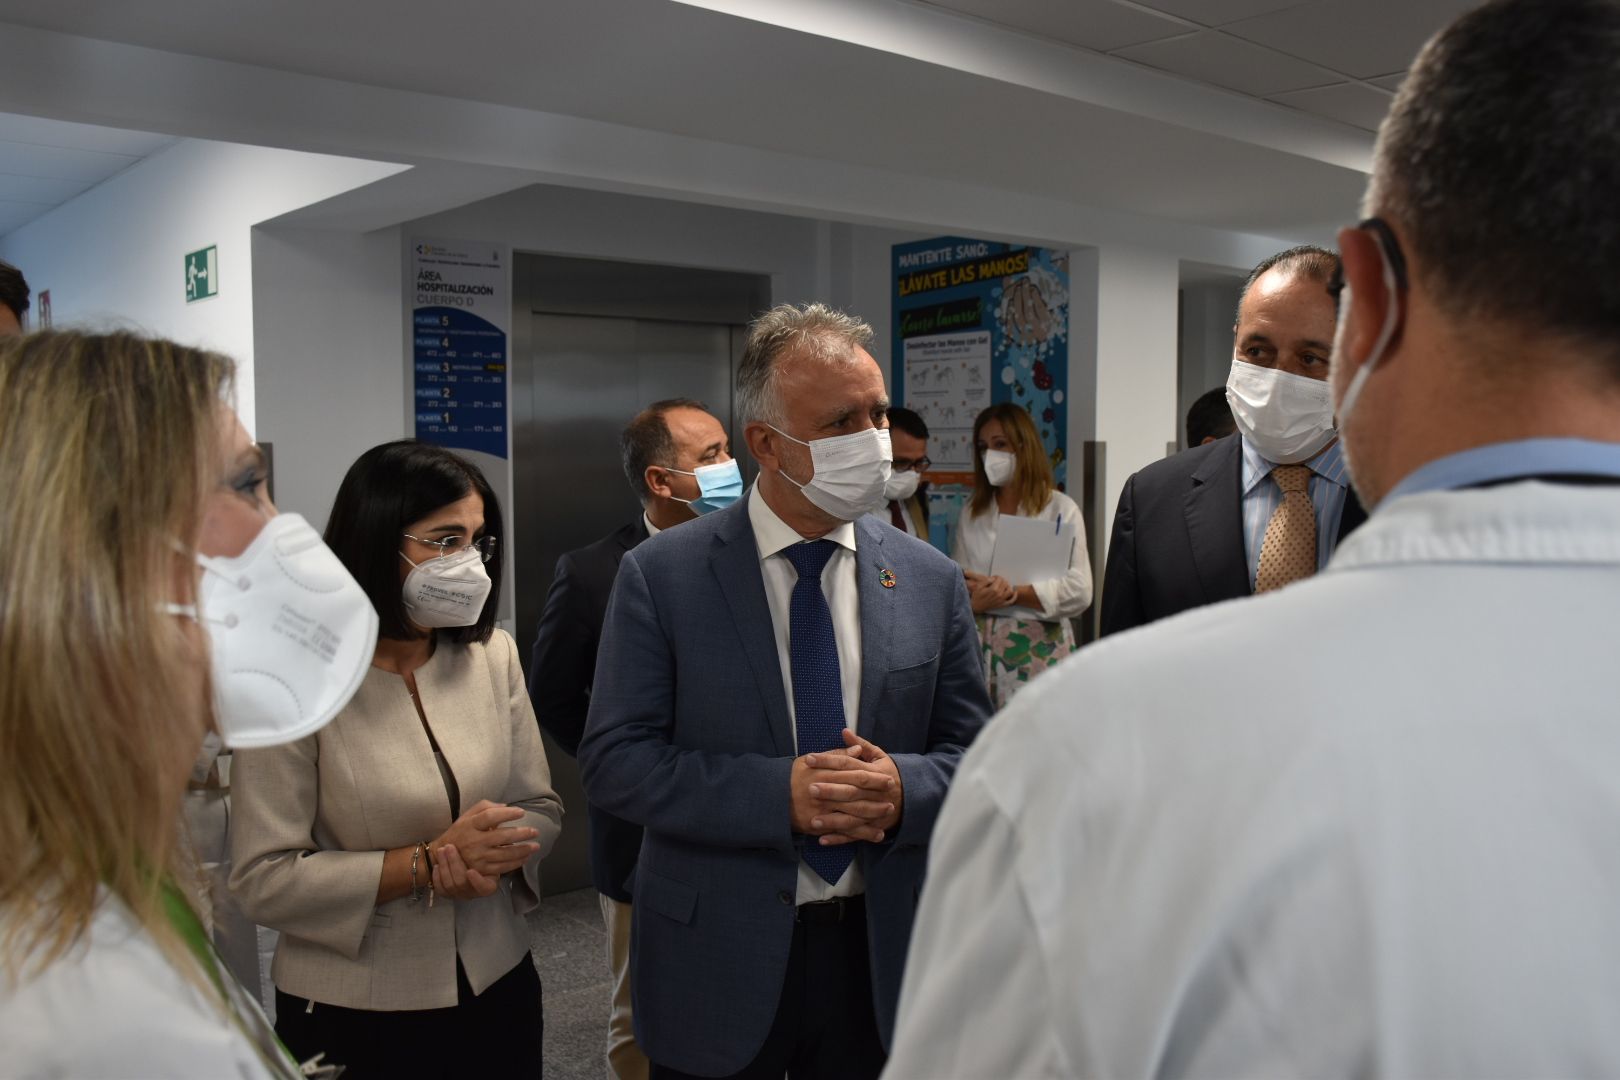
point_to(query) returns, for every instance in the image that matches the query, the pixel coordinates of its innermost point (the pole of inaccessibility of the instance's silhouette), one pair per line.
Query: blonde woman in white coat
(138, 513)
(1024, 625)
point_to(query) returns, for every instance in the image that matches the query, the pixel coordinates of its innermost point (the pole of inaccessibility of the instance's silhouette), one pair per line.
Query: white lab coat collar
(1516, 523)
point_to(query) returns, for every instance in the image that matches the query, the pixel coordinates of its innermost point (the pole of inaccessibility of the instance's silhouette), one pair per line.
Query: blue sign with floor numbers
(458, 345)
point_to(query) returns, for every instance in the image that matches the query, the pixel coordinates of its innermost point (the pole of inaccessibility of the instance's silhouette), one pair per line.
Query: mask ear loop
(1393, 286)
(686, 472)
(781, 471)
(208, 566)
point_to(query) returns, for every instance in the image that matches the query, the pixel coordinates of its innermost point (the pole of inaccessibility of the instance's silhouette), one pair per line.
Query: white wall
(328, 337)
(114, 256)
(605, 225)
(860, 280)
(1205, 353)
(1133, 348)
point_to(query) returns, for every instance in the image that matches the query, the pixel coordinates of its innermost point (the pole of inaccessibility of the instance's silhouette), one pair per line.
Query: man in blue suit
(782, 695)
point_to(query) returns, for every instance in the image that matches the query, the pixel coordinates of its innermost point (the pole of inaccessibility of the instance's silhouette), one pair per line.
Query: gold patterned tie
(1289, 550)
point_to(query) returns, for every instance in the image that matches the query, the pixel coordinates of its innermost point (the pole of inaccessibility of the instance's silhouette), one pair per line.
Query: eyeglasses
(1392, 253)
(455, 545)
(921, 464)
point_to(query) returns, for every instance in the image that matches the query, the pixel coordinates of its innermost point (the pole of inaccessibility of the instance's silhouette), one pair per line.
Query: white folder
(1029, 549)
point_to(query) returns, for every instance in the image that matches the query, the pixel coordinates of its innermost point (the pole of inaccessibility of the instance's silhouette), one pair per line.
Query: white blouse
(1061, 597)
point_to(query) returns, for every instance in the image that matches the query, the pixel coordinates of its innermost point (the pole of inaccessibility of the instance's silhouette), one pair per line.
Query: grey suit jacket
(689, 736)
(314, 818)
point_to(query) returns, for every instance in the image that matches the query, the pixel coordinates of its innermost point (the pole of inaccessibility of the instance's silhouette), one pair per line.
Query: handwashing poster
(975, 324)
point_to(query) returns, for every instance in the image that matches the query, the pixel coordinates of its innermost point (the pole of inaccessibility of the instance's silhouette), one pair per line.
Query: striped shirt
(1329, 484)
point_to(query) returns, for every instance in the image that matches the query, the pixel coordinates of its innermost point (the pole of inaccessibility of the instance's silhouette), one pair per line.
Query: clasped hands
(987, 592)
(471, 855)
(842, 796)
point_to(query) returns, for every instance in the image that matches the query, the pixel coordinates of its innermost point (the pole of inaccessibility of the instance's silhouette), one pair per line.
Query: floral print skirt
(1016, 650)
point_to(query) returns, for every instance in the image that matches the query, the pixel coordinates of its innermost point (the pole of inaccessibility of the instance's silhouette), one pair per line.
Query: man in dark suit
(784, 692)
(662, 450)
(1259, 509)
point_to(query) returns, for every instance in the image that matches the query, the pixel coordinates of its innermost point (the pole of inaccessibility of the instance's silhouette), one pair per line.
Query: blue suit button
(786, 897)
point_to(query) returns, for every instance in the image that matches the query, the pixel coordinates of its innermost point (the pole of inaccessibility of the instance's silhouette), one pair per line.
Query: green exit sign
(202, 274)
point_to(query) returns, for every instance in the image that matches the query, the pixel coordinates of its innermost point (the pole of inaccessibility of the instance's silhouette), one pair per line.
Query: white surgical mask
(291, 634)
(902, 485)
(999, 466)
(1287, 417)
(447, 591)
(851, 471)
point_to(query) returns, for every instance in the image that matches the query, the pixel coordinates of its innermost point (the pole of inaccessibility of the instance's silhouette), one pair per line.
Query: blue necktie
(818, 692)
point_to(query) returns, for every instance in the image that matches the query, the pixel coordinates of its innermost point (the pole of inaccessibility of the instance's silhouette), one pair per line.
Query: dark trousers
(825, 1026)
(496, 1033)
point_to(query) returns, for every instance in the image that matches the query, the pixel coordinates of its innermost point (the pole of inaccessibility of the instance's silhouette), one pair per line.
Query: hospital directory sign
(459, 314)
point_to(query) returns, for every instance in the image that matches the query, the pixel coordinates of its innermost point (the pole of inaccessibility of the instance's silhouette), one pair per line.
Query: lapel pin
(885, 579)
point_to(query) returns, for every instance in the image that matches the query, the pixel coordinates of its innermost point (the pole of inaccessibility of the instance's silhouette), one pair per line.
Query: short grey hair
(813, 330)
(1500, 161)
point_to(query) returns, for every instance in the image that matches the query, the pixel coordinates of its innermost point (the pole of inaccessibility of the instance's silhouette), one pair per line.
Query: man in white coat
(1388, 843)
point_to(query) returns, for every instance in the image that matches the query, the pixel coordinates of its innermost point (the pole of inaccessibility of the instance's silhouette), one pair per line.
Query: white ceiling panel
(13, 214)
(1390, 82)
(1362, 38)
(1349, 103)
(43, 189)
(692, 73)
(40, 132)
(44, 163)
(1231, 62)
(1092, 24)
(1220, 12)
(60, 162)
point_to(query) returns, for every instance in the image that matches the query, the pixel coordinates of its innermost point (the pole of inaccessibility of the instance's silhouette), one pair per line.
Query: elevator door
(584, 378)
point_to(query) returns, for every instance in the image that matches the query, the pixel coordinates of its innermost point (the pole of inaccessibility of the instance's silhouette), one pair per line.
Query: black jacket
(1178, 537)
(560, 674)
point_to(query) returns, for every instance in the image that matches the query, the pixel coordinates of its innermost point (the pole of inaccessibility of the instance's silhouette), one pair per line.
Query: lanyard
(276, 1056)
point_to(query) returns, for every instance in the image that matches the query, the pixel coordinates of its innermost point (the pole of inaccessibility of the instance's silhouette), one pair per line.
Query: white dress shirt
(771, 536)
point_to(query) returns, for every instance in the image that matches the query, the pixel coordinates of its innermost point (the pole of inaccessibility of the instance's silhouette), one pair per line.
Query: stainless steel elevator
(594, 342)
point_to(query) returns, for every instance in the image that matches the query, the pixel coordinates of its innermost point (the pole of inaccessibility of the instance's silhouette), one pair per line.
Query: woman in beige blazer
(398, 850)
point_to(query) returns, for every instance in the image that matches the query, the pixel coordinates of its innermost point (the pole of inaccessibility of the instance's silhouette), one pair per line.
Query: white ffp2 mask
(291, 634)
(851, 471)
(1287, 417)
(447, 591)
(999, 466)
